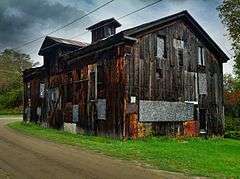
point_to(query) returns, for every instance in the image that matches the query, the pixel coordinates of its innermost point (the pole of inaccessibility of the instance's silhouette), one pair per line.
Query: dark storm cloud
(23, 20)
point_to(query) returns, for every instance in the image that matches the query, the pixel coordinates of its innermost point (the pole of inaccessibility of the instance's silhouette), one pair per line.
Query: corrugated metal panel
(202, 83)
(75, 113)
(101, 109)
(151, 111)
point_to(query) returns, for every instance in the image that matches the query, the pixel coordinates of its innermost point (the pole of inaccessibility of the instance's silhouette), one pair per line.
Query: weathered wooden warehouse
(160, 78)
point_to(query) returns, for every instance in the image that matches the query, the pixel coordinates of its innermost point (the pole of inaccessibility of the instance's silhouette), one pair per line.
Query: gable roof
(184, 15)
(100, 45)
(50, 42)
(33, 72)
(110, 21)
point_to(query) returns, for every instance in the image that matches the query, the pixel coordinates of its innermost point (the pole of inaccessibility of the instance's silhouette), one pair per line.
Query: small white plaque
(133, 99)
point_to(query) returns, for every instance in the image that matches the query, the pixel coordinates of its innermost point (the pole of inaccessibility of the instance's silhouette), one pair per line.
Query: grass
(10, 111)
(215, 157)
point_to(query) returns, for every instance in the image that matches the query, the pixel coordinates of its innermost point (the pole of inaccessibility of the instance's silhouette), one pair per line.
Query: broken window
(201, 56)
(161, 47)
(179, 46)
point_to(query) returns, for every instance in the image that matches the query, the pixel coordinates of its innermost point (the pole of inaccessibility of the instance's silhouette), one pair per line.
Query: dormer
(103, 29)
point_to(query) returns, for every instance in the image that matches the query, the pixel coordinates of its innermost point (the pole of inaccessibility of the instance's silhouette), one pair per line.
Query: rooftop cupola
(103, 29)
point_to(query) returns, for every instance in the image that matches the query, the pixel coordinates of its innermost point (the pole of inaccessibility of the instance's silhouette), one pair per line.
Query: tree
(12, 64)
(230, 14)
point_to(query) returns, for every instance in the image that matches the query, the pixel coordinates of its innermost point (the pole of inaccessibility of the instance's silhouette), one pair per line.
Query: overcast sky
(25, 20)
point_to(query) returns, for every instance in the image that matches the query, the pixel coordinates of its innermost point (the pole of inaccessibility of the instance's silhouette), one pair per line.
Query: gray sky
(24, 20)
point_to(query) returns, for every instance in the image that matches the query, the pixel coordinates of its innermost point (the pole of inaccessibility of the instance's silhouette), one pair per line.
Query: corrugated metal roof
(110, 21)
(67, 41)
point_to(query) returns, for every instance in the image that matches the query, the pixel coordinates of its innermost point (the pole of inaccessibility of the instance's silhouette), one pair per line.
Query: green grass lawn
(213, 157)
(9, 116)
(10, 112)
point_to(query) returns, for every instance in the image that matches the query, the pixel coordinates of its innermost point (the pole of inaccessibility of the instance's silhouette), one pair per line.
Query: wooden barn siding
(215, 118)
(144, 85)
(114, 84)
(35, 100)
(56, 77)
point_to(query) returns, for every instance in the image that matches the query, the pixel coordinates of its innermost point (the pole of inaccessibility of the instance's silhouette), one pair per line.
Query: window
(159, 73)
(201, 56)
(100, 81)
(180, 57)
(179, 46)
(107, 31)
(161, 47)
(202, 119)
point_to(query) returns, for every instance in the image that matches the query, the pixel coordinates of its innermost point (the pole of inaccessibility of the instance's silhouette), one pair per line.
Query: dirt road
(27, 157)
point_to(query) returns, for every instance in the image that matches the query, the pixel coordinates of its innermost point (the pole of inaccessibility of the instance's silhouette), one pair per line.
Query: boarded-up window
(161, 47)
(190, 86)
(101, 109)
(202, 83)
(201, 56)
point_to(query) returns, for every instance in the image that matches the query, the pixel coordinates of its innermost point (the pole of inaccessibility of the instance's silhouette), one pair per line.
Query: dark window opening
(202, 119)
(180, 57)
(159, 73)
(69, 92)
(92, 85)
(69, 88)
(100, 81)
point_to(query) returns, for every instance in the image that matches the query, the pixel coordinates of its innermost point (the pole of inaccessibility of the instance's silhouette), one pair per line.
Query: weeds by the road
(212, 157)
